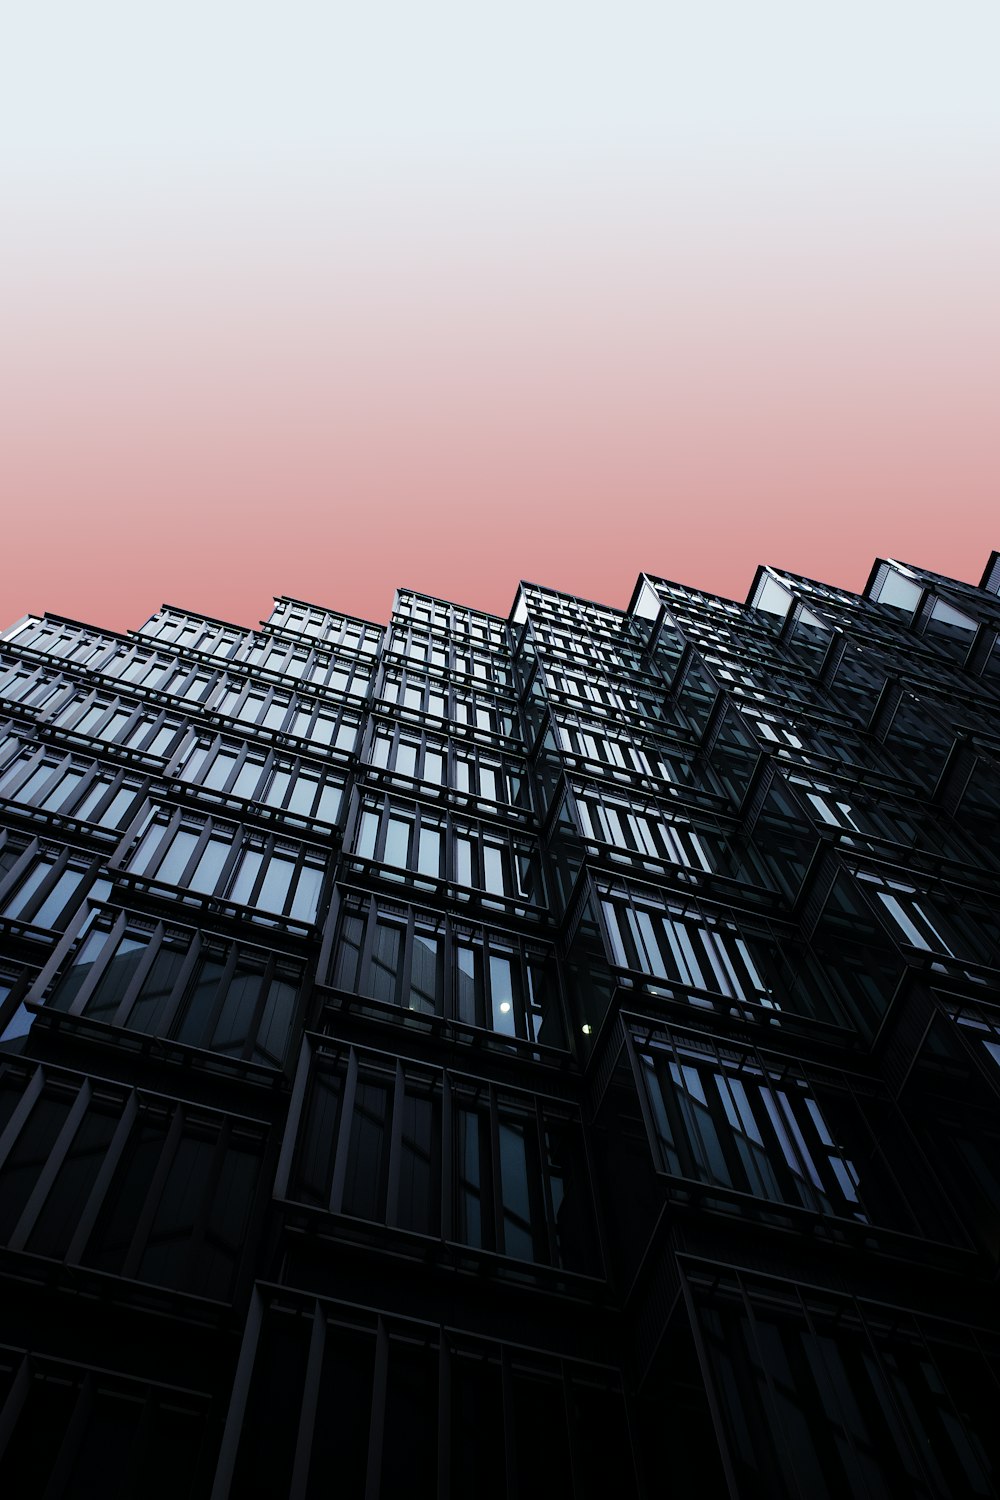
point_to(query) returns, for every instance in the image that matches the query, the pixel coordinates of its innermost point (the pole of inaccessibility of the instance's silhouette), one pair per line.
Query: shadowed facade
(549, 1056)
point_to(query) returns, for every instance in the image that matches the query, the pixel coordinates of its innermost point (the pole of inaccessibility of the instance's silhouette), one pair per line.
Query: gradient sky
(319, 301)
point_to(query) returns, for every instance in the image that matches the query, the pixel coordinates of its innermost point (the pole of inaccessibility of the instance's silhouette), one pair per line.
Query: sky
(324, 301)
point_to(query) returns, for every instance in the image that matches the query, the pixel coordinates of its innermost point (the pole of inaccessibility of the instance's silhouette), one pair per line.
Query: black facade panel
(546, 1056)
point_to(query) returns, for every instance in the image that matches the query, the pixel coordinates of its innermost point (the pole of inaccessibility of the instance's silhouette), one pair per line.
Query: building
(555, 1056)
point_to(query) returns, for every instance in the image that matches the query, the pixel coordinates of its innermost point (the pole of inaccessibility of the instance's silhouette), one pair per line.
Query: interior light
(587, 1028)
(504, 1007)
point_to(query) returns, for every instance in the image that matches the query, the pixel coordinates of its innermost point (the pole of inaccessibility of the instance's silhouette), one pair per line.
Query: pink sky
(210, 401)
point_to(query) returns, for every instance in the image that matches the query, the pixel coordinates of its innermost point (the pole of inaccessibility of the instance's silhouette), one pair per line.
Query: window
(704, 952)
(405, 836)
(225, 860)
(520, 1186)
(226, 997)
(734, 1120)
(877, 1400)
(43, 886)
(259, 775)
(432, 965)
(411, 1403)
(936, 921)
(160, 1192)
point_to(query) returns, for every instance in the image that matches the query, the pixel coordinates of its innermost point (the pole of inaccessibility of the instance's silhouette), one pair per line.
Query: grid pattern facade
(549, 1056)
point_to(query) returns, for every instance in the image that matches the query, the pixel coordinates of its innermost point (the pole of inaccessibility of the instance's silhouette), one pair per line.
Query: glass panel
(406, 759)
(468, 1206)
(205, 877)
(27, 889)
(177, 856)
(386, 950)
(247, 871)
(368, 1154)
(425, 977)
(58, 898)
(274, 888)
(468, 984)
(517, 1230)
(429, 856)
(397, 842)
(493, 869)
(329, 802)
(502, 995)
(305, 902)
(365, 846)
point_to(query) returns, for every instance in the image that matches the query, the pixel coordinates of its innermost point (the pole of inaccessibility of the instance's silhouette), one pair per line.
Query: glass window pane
(493, 869)
(305, 902)
(205, 876)
(502, 995)
(57, 899)
(429, 858)
(179, 852)
(246, 875)
(397, 842)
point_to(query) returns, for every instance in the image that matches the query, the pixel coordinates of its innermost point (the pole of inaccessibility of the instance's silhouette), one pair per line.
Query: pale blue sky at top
(98, 88)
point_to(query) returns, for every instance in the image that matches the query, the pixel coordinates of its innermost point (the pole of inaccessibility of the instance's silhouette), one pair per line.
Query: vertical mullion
(395, 1146)
(298, 1485)
(21, 1112)
(222, 990)
(181, 983)
(287, 1152)
(169, 831)
(27, 770)
(109, 1166)
(447, 1160)
(157, 1183)
(57, 868)
(444, 1417)
(493, 1126)
(404, 979)
(263, 991)
(509, 1442)
(344, 1133)
(546, 1185)
(449, 968)
(520, 989)
(50, 1171)
(242, 756)
(376, 1433)
(266, 846)
(72, 1437)
(232, 1432)
(367, 947)
(140, 976)
(214, 750)
(99, 968)
(111, 787)
(382, 831)
(782, 1443)
(225, 875)
(197, 853)
(483, 1000)
(22, 866)
(902, 1426)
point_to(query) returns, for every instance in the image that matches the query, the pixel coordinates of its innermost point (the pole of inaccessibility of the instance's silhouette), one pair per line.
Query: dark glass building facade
(554, 1056)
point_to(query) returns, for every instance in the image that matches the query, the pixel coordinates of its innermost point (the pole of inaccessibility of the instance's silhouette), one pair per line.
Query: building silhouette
(555, 1056)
